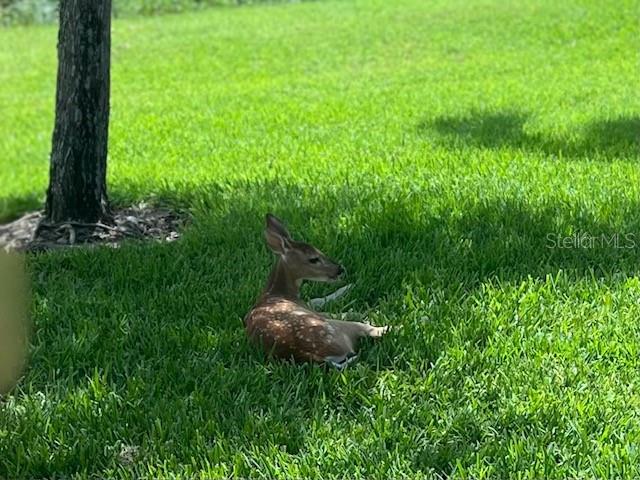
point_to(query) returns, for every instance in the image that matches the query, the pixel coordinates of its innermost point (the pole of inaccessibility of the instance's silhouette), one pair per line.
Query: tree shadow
(160, 325)
(14, 206)
(609, 139)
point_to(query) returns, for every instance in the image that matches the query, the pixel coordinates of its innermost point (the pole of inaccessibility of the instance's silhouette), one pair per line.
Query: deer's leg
(345, 336)
(320, 302)
(355, 330)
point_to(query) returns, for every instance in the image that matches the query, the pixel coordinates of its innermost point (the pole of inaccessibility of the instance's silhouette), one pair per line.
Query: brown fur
(282, 324)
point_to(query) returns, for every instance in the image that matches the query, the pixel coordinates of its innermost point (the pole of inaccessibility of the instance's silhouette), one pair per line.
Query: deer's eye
(314, 260)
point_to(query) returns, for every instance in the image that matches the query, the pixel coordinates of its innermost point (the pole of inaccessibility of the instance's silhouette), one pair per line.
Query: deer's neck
(281, 283)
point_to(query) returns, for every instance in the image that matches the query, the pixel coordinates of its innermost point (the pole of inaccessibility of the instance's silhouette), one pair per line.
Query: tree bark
(77, 182)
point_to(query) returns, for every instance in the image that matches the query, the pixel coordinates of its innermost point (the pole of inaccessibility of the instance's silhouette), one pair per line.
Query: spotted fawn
(283, 325)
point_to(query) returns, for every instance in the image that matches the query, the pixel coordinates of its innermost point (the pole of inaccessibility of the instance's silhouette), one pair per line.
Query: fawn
(283, 324)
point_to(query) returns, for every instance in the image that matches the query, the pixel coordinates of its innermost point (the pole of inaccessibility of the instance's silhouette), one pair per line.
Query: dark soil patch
(141, 222)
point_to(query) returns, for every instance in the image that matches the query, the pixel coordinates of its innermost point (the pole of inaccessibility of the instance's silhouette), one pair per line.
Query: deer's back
(289, 330)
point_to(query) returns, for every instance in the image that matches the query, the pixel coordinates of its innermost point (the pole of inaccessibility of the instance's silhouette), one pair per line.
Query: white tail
(287, 328)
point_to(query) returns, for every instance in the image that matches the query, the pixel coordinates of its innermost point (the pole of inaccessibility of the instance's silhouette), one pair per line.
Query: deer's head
(301, 260)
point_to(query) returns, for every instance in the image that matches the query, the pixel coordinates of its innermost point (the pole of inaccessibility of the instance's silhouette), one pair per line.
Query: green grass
(27, 12)
(439, 150)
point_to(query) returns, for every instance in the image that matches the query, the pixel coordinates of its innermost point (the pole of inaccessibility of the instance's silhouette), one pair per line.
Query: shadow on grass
(604, 139)
(12, 207)
(160, 325)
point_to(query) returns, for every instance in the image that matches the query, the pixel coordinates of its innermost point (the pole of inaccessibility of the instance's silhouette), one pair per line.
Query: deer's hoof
(341, 363)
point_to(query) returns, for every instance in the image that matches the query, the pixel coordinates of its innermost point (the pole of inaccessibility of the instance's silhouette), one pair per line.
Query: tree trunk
(77, 182)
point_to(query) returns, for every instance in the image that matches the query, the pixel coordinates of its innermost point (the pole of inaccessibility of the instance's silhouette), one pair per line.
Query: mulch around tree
(139, 222)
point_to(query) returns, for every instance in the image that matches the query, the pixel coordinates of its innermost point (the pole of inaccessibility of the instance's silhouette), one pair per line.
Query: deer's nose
(341, 270)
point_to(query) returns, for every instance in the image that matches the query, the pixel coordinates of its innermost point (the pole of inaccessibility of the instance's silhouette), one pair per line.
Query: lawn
(474, 165)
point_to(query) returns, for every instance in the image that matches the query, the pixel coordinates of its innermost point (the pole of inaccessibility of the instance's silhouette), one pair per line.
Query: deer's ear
(275, 225)
(276, 242)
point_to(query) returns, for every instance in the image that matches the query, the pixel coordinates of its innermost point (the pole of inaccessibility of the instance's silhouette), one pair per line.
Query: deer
(284, 325)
